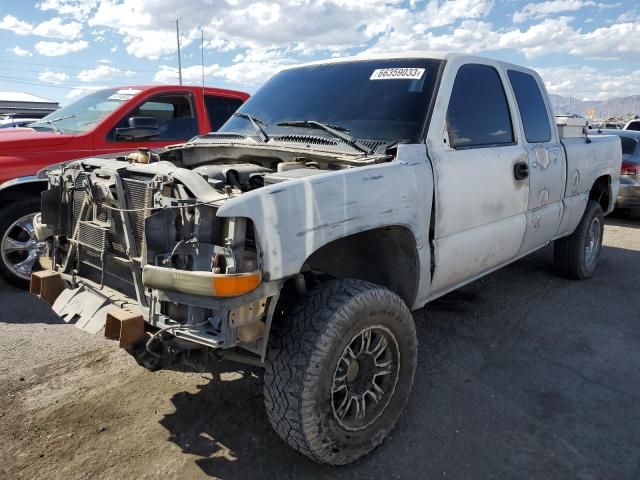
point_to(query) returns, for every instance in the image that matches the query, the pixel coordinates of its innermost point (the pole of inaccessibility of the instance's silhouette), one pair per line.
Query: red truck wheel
(19, 249)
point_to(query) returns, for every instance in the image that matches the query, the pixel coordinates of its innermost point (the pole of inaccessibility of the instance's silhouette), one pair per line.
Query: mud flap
(85, 307)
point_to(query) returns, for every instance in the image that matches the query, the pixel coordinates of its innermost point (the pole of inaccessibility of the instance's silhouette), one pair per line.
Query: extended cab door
(545, 156)
(481, 193)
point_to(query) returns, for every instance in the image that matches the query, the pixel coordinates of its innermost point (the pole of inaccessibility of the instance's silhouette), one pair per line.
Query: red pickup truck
(112, 120)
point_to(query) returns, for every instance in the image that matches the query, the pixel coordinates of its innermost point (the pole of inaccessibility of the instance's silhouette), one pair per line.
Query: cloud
(82, 90)
(588, 83)
(52, 77)
(101, 72)
(20, 52)
(56, 49)
(55, 28)
(52, 28)
(11, 23)
(544, 9)
(78, 9)
(148, 28)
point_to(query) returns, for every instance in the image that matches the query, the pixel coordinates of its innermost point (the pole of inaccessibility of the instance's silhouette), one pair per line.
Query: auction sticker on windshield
(397, 73)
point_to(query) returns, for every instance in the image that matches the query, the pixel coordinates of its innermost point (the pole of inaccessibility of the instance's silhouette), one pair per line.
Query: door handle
(521, 170)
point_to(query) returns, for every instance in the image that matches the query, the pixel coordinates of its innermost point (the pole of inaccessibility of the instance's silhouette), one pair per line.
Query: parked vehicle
(633, 125)
(104, 122)
(14, 122)
(341, 196)
(629, 196)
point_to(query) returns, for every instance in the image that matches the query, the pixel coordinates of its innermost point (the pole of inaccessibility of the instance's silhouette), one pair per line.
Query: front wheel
(576, 256)
(340, 369)
(19, 248)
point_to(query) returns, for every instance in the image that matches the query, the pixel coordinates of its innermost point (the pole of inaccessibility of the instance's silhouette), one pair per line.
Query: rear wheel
(19, 248)
(340, 369)
(576, 256)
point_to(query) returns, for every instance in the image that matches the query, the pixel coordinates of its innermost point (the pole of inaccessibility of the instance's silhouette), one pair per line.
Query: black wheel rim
(365, 378)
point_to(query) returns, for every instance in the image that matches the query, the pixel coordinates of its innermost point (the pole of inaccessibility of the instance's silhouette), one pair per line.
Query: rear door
(545, 157)
(474, 145)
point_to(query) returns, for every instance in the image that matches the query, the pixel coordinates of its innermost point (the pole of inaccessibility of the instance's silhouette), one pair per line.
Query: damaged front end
(146, 238)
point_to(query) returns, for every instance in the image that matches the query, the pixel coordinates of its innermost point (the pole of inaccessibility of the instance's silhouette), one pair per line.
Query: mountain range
(600, 109)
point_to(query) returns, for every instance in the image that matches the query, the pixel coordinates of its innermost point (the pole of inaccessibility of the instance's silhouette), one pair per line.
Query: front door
(480, 201)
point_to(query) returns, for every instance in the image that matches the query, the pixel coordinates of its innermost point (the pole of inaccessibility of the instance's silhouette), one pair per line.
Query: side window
(219, 109)
(535, 118)
(174, 114)
(478, 114)
(634, 126)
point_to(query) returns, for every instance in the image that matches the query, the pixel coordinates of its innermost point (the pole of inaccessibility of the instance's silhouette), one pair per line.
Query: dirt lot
(521, 375)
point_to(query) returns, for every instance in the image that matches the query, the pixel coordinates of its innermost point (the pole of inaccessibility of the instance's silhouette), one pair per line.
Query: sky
(62, 49)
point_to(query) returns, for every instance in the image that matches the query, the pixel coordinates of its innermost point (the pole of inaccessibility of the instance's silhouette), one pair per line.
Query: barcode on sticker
(397, 73)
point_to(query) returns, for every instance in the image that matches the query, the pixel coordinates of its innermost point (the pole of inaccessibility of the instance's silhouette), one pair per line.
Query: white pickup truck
(341, 196)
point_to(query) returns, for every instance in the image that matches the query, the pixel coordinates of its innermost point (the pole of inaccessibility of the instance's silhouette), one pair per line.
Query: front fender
(294, 219)
(21, 188)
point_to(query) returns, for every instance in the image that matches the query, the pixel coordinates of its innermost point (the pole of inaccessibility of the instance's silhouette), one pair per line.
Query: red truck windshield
(84, 114)
(371, 99)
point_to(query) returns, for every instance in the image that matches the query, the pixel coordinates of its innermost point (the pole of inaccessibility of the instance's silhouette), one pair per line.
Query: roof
(411, 54)
(23, 97)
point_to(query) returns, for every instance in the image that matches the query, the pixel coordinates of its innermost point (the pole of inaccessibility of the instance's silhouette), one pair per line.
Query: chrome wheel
(365, 377)
(592, 245)
(19, 247)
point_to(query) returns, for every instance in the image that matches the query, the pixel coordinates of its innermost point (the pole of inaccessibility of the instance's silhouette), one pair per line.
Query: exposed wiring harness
(167, 329)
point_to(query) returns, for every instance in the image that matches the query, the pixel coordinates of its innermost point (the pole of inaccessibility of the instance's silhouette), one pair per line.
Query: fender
(21, 188)
(294, 219)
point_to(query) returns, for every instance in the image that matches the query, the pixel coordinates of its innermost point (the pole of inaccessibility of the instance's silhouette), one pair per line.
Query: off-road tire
(304, 350)
(569, 253)
(8, 215)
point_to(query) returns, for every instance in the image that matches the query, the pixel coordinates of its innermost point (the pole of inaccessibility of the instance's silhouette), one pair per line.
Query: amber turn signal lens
(233, 285)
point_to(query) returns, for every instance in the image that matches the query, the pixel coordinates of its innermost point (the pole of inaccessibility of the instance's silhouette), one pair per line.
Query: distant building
(26, 105)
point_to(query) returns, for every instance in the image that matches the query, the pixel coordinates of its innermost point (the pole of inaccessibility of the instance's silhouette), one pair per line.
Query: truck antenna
(179, 60)
(204, 109)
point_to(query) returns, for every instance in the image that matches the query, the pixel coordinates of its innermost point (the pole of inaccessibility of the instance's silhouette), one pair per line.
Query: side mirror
(139, 128)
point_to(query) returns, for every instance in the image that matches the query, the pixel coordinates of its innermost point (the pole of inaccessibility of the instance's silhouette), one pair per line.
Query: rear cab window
(533, 112)
(220, 109)
(478, 114)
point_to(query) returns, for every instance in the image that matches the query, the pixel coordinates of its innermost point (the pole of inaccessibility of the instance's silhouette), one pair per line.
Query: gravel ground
(521, 375)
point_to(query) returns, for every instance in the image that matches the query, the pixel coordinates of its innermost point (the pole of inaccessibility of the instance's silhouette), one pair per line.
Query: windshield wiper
(256, 125)
(53, 121)
(334, 130)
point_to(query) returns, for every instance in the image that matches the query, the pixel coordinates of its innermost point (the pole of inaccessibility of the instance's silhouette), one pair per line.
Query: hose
(147, 346)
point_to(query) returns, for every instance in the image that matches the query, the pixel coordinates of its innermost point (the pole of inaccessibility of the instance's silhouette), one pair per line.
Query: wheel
(576, 256)
(339, 370)
(19, 248)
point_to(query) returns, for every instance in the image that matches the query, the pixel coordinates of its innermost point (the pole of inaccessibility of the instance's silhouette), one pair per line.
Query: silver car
(629, 195)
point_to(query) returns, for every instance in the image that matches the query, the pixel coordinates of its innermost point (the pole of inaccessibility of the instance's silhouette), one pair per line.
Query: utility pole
(179, 60)
(570, 99)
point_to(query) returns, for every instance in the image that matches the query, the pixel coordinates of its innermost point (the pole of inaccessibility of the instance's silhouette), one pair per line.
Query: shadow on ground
(520, 374)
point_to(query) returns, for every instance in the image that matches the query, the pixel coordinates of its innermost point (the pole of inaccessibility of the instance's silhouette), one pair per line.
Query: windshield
(373, 99)
(84, 114)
